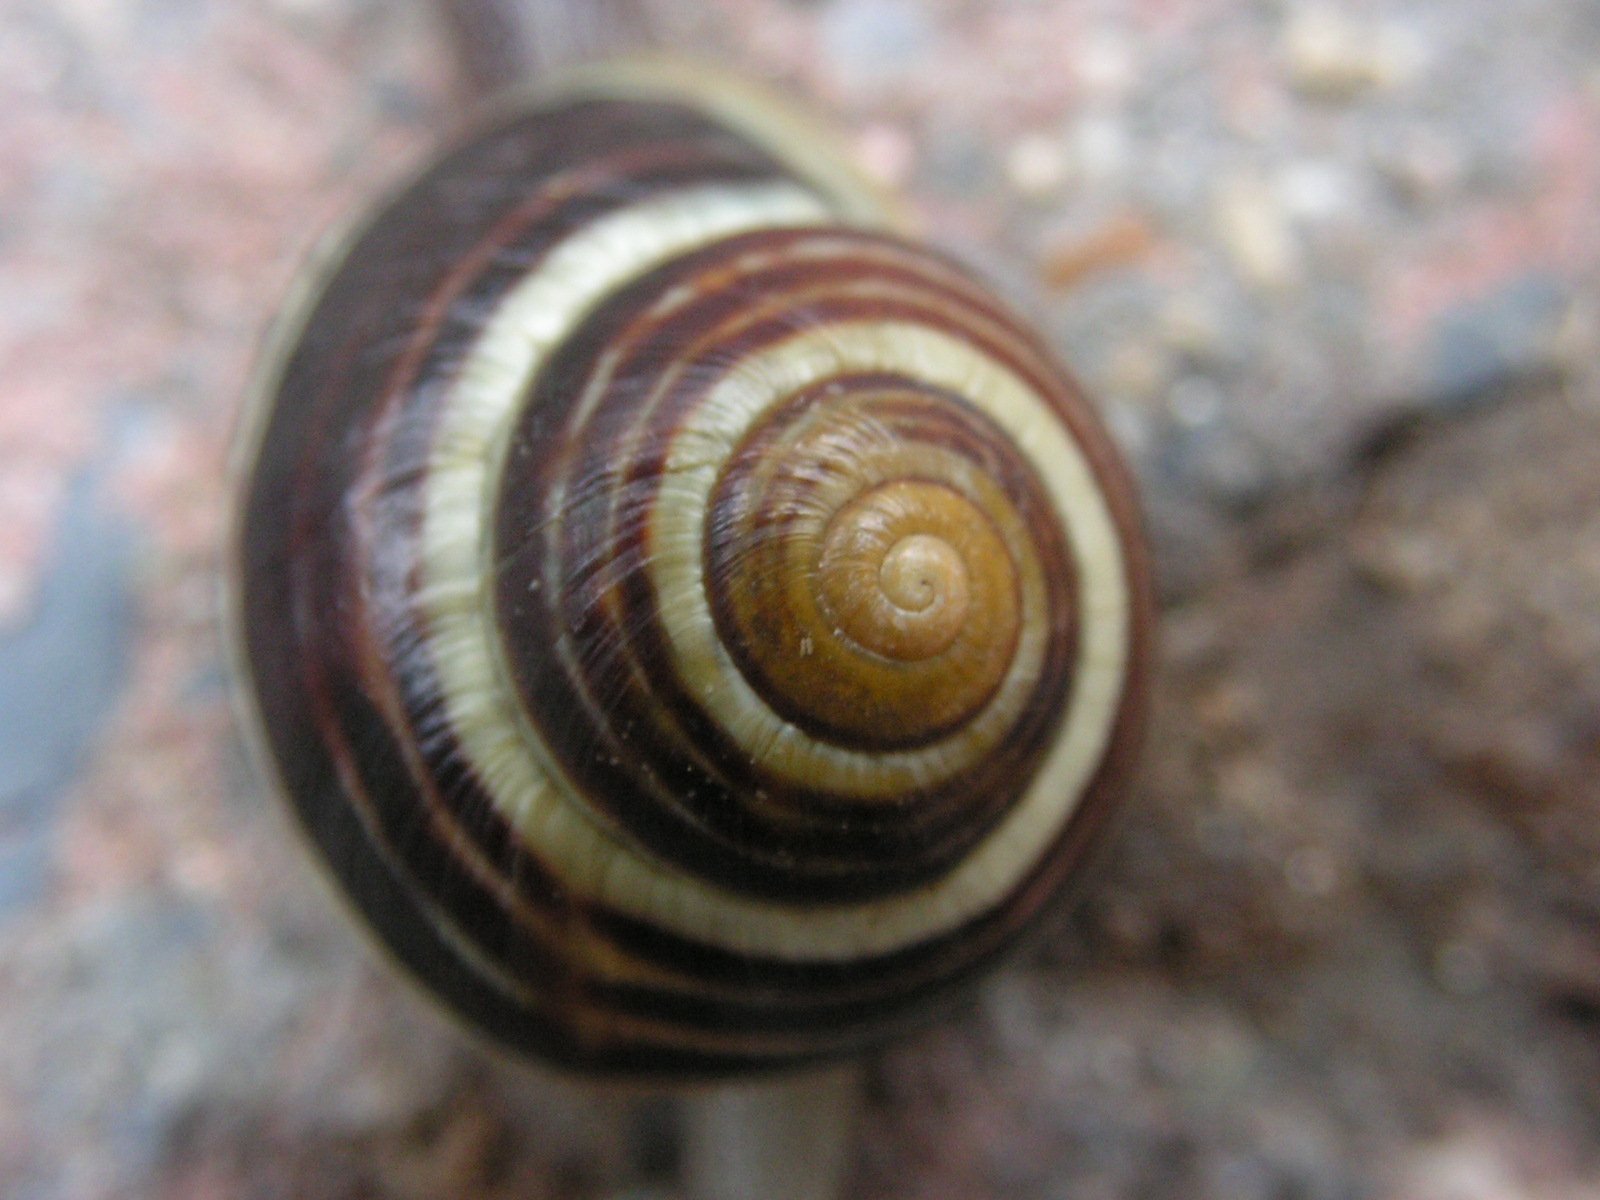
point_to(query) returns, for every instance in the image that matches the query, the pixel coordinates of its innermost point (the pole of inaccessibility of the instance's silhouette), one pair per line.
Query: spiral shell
(698, 628)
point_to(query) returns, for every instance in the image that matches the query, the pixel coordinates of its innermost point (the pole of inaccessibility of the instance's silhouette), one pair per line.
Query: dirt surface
(1334, 271)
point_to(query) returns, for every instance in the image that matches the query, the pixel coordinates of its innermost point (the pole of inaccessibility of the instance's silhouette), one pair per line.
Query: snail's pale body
(699, 628)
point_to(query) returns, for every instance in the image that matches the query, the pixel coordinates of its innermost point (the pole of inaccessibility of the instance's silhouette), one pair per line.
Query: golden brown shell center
(910, 567)
(870, 587)
(922, 573)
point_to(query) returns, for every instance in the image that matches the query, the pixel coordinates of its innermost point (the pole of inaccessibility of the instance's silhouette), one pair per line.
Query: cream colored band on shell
(514, 344)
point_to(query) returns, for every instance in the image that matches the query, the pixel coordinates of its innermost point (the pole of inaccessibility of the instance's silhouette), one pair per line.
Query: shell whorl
(699, 628)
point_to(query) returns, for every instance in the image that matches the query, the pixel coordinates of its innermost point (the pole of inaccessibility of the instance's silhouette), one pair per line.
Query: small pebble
(1036, 165)
(1118, 242)
(1251, 224)
(1191, 325)
(1334, 55)
(1318, 191)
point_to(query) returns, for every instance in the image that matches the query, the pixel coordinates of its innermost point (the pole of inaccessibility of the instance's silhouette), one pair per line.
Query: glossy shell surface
(699, 629)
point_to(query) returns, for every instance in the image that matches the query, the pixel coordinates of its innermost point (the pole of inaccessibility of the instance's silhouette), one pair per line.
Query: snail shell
(699, 629)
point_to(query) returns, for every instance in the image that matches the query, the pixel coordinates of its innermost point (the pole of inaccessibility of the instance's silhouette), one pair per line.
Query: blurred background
(1333, 270)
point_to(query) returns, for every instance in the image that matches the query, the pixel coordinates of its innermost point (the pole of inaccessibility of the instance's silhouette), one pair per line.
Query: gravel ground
(1334, 270)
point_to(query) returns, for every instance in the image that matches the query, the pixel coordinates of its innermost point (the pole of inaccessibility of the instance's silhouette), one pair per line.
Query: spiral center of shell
(867, 574)
(894, 573)
(921, 572)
